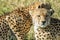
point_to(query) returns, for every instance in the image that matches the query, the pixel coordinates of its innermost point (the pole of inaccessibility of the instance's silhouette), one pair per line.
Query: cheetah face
(41, 16)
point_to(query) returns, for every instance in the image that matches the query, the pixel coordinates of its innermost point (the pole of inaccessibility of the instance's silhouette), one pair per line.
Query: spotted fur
(51, 32)
(45, 27)
(17, 23)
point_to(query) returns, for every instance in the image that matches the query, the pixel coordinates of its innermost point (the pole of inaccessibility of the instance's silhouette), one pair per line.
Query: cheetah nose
(43, 22)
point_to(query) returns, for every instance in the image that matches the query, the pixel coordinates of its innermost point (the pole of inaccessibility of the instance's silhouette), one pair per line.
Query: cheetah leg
(19, 37)
(18, 34)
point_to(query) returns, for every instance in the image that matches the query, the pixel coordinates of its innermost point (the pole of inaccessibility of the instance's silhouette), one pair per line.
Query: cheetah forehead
(34, 5)
(38, 5)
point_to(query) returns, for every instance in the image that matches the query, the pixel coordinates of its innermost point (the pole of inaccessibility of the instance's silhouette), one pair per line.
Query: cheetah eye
(46, 15)
(39, 6)
(38, 15)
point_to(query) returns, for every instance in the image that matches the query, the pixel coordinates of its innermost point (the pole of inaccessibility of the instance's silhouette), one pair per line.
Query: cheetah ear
(51, 11)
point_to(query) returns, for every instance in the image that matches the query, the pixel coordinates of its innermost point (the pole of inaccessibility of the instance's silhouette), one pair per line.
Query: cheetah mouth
(43, 26)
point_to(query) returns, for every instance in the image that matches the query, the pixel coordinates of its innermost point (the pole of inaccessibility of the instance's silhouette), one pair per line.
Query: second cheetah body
(51, 32)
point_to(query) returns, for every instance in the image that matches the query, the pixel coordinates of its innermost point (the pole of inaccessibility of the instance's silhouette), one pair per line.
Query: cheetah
(45, 27)
(17, 21)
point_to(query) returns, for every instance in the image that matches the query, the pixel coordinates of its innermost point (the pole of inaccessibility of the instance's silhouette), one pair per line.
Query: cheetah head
(41, 14)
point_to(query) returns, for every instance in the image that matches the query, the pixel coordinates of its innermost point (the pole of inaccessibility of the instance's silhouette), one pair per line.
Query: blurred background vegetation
(9, 5)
